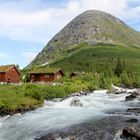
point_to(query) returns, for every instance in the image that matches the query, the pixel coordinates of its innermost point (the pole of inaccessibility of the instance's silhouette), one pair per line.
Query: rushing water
(57, 115)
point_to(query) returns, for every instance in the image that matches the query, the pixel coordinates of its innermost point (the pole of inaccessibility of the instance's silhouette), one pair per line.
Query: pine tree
(119, 68)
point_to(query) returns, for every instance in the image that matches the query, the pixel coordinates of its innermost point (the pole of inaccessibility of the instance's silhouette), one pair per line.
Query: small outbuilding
(9, 74)
(45, 75)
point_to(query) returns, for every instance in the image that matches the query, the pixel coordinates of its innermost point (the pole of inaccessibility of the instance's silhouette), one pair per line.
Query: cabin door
(37, 77)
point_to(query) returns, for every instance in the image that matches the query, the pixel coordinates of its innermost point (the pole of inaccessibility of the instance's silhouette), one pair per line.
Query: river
(57, 115)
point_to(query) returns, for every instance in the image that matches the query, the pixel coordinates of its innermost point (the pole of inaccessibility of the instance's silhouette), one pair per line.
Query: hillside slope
(91, 27)
(97, 58)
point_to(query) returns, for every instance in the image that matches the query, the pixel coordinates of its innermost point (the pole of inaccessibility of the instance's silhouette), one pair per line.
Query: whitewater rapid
(57, 115)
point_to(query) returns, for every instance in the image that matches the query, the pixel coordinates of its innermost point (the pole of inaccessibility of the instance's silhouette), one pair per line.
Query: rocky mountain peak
(91, 26)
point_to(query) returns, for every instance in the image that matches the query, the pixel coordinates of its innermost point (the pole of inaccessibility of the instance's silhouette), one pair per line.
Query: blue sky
(27, 25)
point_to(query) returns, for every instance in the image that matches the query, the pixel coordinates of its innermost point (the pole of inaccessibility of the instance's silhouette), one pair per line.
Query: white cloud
(40, 25)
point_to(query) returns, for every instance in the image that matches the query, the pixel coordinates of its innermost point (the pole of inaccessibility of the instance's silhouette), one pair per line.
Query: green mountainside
(96, 58)
(92, 41)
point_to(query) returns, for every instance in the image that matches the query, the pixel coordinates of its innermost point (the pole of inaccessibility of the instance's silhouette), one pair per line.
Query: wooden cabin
(46, 75)
(9, 74)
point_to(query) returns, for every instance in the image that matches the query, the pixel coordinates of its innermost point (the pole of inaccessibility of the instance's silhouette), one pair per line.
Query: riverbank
(76, 116)
(26, 97)
(20, 99)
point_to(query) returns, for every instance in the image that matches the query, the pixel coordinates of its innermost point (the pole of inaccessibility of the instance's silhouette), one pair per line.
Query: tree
(104, 82)
(119, 68)
(126, 79)
(17, 66)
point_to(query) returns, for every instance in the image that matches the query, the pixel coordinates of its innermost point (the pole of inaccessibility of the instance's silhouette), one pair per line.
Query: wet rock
(134, 110)
(131, 133)
(133, 120)
(75, 94)
(76, 102)
(136, 93)
(132, 96)
(84, 93)
(120, 92)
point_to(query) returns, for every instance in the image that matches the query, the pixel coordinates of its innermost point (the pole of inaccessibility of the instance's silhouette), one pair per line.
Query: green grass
(97, 58)
(15, 99)
(12, 100)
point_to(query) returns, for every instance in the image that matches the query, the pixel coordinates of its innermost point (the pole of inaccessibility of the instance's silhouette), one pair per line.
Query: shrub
(33, 91)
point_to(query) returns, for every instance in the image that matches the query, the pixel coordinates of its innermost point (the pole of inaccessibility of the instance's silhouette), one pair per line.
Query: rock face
(76, 102)
(91, 26)
(131, 133)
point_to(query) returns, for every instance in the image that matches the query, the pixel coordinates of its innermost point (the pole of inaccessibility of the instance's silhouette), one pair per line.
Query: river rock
(83, 93)
(75, 94)
(132, 96)
(76, 102)
(134, 110)
(131, 133)
(118, 90)
(133, 120)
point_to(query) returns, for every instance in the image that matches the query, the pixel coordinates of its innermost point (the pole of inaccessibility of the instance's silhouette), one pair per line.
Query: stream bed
(55, 117)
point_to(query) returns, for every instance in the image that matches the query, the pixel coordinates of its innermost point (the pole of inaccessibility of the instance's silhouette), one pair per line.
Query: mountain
(88, 30)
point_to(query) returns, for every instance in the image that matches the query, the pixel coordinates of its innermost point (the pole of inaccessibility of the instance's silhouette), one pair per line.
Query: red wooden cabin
(9, 74)
(47, 76)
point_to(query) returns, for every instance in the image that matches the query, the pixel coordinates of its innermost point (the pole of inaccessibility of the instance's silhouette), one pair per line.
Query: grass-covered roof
(44, 70)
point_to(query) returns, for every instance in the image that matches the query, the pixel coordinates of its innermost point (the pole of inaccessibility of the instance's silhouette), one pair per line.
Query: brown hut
(9, 74)
(45, 75)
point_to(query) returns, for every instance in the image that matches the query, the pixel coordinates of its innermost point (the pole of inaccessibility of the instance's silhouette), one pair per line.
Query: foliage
(119, 68)
(13, 100)
(100, 58)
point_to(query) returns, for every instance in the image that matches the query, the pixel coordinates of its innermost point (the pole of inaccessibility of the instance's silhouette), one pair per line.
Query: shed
(9, 74)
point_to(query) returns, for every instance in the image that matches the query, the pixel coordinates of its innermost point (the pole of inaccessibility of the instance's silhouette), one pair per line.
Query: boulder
(134, 110)
(76, 102)
(131, 133)
(133, 120)
(120, 92)
(132, 96)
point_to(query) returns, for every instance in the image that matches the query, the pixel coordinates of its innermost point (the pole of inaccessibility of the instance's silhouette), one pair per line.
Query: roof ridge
(4, 68)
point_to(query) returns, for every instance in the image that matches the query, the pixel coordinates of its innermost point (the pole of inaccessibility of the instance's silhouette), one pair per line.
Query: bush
(126, 79)
(33, 91)
(51, 92)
